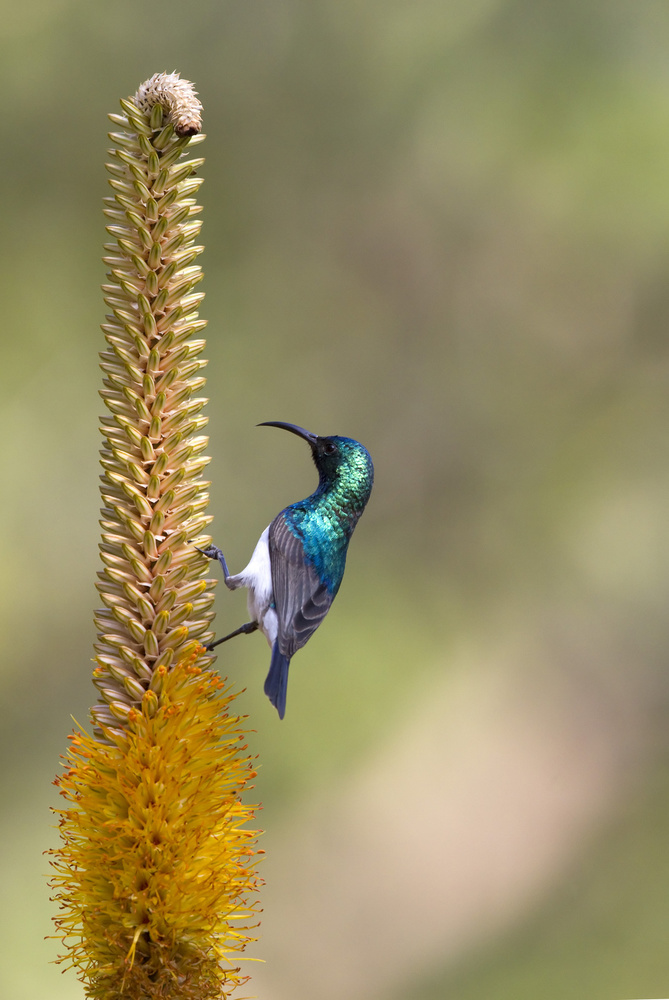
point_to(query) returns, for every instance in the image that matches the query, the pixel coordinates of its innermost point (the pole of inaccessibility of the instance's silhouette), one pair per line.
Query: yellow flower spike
(156, 872)
(157, 862)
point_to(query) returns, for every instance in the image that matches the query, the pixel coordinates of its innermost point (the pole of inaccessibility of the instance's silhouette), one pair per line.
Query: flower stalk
(156, 864)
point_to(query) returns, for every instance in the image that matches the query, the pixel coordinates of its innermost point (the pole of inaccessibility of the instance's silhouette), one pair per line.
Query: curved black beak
(293, 428)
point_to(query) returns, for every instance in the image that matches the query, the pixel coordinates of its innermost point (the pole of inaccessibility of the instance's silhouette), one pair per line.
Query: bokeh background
(441, 227)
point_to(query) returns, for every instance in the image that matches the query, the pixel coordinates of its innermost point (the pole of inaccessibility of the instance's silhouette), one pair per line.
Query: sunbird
(297, 566)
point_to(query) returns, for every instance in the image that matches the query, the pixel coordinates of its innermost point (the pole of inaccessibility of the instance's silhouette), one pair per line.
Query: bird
(298, 563)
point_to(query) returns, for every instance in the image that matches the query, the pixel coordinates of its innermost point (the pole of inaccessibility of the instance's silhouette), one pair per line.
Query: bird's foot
(213, 552)
(244, 629)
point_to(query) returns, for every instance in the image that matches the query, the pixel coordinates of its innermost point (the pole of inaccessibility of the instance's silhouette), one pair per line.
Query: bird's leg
(213, 552)
(245, 629)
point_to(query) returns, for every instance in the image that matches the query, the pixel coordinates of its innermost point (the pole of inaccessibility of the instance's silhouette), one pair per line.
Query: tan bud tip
(176, 96)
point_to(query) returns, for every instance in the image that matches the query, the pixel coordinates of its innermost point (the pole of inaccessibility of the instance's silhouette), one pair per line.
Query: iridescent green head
(344, 465)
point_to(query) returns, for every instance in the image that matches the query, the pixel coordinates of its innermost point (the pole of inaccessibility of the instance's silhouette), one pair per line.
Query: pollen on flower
(157, 868)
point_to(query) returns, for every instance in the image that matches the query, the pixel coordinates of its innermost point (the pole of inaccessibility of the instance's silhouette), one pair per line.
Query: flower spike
(152, 488)
(157, 863)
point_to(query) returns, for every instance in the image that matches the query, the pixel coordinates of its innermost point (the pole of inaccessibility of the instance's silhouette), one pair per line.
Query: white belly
(257, 578)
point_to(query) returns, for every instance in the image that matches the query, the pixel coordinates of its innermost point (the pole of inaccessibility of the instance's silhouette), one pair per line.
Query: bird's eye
(329, 448)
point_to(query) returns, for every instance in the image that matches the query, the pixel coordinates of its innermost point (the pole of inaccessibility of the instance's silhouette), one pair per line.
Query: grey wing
(301, 600)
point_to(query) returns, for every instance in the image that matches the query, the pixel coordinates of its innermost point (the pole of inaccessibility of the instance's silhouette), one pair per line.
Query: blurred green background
(441, 228)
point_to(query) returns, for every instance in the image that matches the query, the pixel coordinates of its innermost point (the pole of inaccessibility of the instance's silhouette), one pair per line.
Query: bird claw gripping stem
(213, 552)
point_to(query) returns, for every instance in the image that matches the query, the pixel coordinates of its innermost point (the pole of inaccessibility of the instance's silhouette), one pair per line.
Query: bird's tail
(276, 683)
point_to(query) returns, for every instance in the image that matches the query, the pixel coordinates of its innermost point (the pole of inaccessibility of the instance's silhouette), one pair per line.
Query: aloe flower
(152, 487)
(156, 863)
